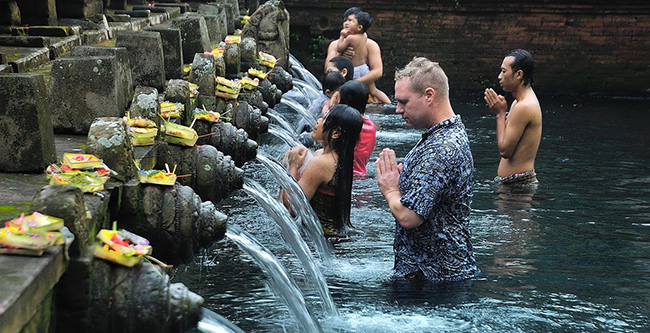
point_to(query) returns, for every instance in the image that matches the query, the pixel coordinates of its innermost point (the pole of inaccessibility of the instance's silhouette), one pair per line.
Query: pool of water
(575, 256)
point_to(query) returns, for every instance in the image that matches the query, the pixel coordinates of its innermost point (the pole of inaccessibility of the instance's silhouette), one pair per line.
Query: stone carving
(269, 25)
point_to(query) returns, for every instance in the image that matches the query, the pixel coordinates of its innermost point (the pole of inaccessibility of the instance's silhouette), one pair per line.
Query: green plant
(315, 49)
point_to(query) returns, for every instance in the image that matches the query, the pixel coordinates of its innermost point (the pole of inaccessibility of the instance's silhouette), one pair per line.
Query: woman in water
(327, 178)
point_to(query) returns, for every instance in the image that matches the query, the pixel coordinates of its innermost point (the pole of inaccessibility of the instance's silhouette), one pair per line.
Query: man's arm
(374, 63)
(510, 129)
(331, 53)
(388, 180)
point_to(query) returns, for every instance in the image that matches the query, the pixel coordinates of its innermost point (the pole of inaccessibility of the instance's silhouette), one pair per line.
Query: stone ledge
(27, 281)
(64, 46)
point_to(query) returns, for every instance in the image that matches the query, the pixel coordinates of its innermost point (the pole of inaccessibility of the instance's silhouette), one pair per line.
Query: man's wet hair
(344, 62)
(332, 81)
(364, 19)
(523, 61)
(350, 11)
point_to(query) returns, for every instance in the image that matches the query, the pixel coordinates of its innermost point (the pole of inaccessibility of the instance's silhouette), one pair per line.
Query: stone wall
(581, 47)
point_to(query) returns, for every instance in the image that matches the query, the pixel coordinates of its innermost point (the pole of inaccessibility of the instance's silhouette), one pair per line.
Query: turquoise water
(575, 256)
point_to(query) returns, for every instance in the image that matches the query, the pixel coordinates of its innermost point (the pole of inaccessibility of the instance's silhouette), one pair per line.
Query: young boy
(331, 82)
(354, 35)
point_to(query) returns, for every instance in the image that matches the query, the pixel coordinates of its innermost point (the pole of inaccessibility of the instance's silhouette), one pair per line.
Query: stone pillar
(26, 124)
(146, 57)
(82, 89)
(219, 11)
(194, 34)
(79, 8)
(145, 104)
(203, 74)
(178, 91)
(38, 12)
(172, 45)
(108, 139)
(124, 84)
(9, 13)
(232, 56)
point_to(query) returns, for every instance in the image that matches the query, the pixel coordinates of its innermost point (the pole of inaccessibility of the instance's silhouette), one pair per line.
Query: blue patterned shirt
(436, 183)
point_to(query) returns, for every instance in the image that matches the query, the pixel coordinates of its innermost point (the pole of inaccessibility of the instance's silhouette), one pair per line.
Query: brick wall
(580, 47)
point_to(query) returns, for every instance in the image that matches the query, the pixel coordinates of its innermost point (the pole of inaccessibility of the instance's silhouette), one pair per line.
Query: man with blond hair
(431, 192)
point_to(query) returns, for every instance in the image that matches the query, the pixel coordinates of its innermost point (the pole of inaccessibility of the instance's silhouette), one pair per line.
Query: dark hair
(355, 94)
(344, 62)
(364, 19)
(523, 61)
(332, 81)
(350, 11)
(349, 122)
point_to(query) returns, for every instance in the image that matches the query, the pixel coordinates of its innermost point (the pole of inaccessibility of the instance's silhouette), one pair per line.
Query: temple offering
(171, 110)
(227, 88)
(158, 177)
(179, 134)
(81, 161)
(140, 122)
(232, 39)
(18, 238)
(142, 136)
(248, 83)
(267, 59)
(86, 181)
(121, 247)
(37, 222)
(210, 116)
(258, 73)
(194, 90)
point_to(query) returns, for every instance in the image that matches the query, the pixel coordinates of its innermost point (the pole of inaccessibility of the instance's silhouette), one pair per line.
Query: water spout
(211, 322)
(300, 205)
(279, 280)
(292, 237)
(300, 109)
(281, 133)
(280, 120)
(307, 90)
(305, 75)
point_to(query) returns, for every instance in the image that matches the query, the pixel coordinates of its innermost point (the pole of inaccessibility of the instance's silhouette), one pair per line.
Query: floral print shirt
(436, 183)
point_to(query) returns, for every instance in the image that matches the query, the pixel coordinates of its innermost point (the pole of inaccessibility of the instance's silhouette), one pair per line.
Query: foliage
(315, 49)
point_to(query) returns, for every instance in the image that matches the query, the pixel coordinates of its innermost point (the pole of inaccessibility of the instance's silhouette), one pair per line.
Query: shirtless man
(520, 130)
(373, 60)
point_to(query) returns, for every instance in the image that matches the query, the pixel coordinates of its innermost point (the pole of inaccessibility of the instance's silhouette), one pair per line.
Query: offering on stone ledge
(267, 59)
(227, 88)
(86, 181)
(257, 73)
(158, 177)
(81, 161)
(248, 83)
(194, 90)
(179, 134)
(206, 115)
(121, 247)
(140, 122)
(37, 222)
(141, 136)
(171, 110)
(25, 241)
(232, 39)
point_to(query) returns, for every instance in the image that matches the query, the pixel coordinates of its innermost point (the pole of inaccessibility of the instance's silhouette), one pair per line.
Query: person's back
(353, 35)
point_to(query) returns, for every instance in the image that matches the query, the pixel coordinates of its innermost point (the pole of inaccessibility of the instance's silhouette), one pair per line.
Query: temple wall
(580, 47)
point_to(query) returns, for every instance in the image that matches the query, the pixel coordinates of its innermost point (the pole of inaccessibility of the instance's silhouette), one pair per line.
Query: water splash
(278, 118)
(288, 137)
(300, 205)
(307, 90)
(279, 280)
(300, 109)
(306, 76)
(211, 322)
(291, 236)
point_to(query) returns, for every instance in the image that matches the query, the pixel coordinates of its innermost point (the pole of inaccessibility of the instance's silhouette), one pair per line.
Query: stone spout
(174, 219)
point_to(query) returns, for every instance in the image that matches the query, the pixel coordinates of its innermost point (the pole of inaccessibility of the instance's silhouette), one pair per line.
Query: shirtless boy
(365, 56)
(520, 130)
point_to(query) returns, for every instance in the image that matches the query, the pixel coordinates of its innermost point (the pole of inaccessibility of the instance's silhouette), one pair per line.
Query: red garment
(364, 147)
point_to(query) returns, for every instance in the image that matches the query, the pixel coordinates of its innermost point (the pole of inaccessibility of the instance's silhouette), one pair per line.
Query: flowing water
(291, 236)
(282, 121)
(288, 137)
(575, 256)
